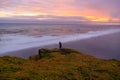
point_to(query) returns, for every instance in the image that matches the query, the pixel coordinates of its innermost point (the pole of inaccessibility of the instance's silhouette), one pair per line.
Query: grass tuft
(59, 64)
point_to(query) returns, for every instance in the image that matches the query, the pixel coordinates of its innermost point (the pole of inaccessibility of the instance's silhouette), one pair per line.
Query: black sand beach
(106, 47)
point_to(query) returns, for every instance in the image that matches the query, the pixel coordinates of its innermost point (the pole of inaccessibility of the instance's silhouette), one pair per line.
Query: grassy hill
(59, 64)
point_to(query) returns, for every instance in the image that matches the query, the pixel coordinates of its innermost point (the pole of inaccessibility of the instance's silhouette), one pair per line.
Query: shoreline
(20, 42)
(105, 46)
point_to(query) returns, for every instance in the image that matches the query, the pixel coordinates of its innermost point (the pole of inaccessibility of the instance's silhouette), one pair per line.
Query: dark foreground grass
(59, 64)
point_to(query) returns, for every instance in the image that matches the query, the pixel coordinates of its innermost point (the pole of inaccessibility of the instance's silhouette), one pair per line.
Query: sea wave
(11, 42)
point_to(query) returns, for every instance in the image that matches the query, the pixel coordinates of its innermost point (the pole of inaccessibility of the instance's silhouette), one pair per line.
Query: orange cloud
(94, 10)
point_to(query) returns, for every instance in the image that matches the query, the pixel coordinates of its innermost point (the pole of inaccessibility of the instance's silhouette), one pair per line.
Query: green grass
(59, 64)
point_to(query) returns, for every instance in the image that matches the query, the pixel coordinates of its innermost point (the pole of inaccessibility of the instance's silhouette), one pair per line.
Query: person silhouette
(60, 45)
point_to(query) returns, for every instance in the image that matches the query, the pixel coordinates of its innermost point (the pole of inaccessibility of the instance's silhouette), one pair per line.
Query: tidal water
(15, 37)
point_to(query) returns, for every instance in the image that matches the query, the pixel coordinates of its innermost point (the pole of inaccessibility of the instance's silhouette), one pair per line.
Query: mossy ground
(66, 64)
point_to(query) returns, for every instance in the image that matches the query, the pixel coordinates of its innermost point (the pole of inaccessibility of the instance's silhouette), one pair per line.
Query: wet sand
(106, 47)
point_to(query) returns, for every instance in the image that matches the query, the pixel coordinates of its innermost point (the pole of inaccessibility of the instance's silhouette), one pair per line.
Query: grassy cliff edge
(59, 64)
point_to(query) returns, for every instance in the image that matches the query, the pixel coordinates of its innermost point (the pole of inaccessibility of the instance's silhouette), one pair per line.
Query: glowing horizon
(88, 10)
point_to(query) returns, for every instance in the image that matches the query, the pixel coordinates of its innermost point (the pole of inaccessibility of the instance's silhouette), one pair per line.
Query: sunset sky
(60, 10)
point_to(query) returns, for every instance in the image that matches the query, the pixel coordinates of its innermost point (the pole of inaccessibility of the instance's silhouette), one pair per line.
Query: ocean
(16, 36)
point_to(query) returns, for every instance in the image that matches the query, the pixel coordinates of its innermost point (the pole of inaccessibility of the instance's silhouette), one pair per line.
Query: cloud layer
(82, 10)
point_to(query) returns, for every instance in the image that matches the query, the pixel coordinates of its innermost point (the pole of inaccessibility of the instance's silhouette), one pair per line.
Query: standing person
(60, 45)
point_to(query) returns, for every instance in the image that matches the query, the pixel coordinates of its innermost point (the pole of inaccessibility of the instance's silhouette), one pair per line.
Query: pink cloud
(98, 8)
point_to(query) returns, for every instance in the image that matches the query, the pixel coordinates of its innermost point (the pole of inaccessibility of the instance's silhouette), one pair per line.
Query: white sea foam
(17, 42)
